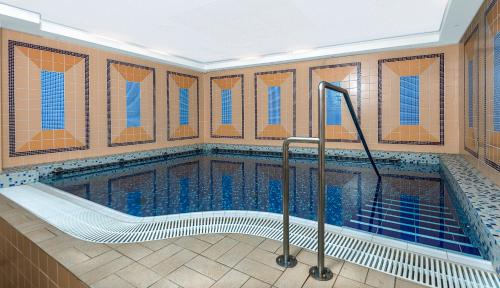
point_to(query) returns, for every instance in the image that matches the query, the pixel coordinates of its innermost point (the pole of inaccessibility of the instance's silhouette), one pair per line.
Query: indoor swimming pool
(412, 203)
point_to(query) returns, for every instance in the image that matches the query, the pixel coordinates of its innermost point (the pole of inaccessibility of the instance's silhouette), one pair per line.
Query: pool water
(411, 203)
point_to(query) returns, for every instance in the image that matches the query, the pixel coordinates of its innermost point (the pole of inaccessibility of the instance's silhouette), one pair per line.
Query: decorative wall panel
(182, 106)
(131, 95)
(471, 92)
(48, 100)
(226, 110)
(275, 104)
(411, 100)
(492, 96)
(340, 127)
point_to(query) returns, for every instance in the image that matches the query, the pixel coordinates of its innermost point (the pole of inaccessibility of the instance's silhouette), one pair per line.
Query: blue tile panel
(227, 191)
(133, 90)
(227, 106)
(333, 106)
(496, 95)
(134, 203)
(183, 106)
(471, 93)
(409, 100)
(52, 100)
(274, 105)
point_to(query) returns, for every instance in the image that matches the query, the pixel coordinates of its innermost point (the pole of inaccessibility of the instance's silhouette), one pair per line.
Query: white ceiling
(218, 34)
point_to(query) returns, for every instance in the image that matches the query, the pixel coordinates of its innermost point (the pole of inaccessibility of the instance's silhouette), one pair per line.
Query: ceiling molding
(451, 30)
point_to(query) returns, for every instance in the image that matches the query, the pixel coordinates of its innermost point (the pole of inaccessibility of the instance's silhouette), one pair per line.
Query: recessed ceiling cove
(220, 32)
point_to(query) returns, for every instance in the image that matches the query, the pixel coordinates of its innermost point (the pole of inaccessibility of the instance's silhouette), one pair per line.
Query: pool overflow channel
(319, 272)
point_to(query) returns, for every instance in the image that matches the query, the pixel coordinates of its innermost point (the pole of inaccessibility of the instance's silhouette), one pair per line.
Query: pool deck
(36, 254)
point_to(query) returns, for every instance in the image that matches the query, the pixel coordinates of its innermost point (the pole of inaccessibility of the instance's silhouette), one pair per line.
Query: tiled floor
(217, 260)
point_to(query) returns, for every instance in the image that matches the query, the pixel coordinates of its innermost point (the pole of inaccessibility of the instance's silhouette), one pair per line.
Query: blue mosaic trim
(480, 200)
(15, 178)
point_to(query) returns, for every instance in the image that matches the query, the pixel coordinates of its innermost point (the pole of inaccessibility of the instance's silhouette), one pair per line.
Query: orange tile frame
(471, 53)
(237, 128)
(349, 76)
(175, 131)
(430, 69)
(26, 136)
(286, 80)
(118, 73)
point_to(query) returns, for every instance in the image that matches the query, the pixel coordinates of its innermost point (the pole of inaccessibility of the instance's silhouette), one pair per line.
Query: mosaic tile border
(492, 164)
(358, 97)
(294, 101)
(12, 110)
(480, 199)
(476, 117)
(197, 106)
(108, 93)
(441, 98)
(242, 77)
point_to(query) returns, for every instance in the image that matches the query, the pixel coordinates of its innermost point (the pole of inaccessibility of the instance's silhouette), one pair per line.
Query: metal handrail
(319, 272)
(323, 85)
(287, 260)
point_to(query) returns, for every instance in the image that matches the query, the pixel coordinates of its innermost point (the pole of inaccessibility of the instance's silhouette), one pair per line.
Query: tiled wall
(406, 100)
(63, 101)
(24, 264)
(480, 71)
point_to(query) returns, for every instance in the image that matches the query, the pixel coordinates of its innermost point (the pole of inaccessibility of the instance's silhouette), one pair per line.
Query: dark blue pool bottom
(411, 203)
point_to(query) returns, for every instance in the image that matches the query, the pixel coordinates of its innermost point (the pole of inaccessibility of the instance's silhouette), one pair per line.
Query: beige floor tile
(270, 245)
(210, 238)
(112, 281)
(293, 277)
(313, 283)
(255, 283)
(311, 259)
(138, 275)
(177, 260)
(40, 235)
(235, 254)
(257, 270)
(70, 257)
(232, 279)
(164, 283)
(379, 279)
(93, 263)
(193, 244)
(207, 267)
(160, 255)
(134, 251)
(188, 278)
(264, 257)
(343, 282)
(251, 240)
(219, 248)
(158, 244)
(91, 249)
(106, 270)
(354, 272)
(406, 284)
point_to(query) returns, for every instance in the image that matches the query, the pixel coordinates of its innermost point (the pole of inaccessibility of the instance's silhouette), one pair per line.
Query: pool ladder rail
(319, 272)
